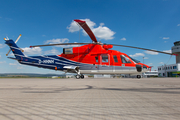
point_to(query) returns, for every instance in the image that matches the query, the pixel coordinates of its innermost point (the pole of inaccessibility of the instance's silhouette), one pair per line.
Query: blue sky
(153, 24)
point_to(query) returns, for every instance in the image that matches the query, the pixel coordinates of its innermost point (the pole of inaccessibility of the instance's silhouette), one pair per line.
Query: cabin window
(125, 59)
(174, 67)
(115, 58)
(96, 59)
(104, 58)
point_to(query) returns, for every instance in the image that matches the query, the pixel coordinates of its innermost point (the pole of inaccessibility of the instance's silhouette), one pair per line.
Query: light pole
(142, 68)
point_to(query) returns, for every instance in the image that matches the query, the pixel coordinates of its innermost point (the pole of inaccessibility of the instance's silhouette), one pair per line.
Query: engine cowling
(75, 50)
(107, 47)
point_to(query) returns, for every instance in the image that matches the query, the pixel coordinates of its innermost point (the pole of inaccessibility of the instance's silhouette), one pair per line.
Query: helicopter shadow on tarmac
(88, 87)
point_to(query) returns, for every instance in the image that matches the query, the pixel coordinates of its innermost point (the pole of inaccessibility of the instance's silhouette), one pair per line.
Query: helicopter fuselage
(98, 59)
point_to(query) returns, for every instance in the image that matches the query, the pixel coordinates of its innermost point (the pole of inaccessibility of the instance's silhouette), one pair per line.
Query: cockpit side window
(125, 59)
(96, 59)
(104, 58)
(115, 58)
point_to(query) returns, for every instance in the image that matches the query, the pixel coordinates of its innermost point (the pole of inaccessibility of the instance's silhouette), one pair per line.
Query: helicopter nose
(144, 67)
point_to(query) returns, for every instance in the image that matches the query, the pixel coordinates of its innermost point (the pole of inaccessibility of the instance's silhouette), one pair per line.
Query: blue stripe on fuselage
(49, 62)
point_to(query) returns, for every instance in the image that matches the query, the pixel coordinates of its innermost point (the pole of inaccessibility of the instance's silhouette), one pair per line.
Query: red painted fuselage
(99, 55)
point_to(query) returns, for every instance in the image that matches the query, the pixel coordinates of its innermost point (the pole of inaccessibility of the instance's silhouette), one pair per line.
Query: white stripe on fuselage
(38, 65)
(111, 72)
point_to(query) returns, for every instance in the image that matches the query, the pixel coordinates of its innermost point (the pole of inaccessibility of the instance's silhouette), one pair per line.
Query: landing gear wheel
(138, 76)
(82, 76)
(78, 76)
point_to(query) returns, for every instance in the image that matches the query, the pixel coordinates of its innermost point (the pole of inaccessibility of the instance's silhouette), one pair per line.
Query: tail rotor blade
(21, 50)
(18, 38)
(8, 52)
(6, 38)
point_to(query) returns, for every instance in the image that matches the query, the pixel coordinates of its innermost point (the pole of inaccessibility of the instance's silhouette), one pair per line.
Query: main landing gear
(79, 76)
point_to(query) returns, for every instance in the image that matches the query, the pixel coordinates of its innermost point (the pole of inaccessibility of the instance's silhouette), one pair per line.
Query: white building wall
(178, 67)
(164, 69)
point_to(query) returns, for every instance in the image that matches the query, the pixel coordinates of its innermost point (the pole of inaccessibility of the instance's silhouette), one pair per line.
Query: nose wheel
(138, 76)
(80, 76)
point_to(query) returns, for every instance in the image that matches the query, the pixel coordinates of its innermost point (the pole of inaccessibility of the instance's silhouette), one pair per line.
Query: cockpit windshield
(125, 59)
(136, 61)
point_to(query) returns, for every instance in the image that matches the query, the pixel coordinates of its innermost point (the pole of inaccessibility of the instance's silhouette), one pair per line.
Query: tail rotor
(6, 39)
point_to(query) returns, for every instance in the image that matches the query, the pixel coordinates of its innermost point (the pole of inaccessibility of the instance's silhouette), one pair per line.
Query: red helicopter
(91, 58)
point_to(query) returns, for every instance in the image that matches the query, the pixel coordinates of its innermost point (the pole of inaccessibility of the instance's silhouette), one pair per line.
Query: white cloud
(101, 32)
(168, 51)
(73, 27)
(1, 62)
(178, 25)
(58, 40)
(150, 64)
(1, 45)
(165, 38)
(32, 51)
(0, 56)
(137, 55)
(20, 67)
(12, 64)
(123, 38)
(151, 52)
(53, 51)
(161, 63)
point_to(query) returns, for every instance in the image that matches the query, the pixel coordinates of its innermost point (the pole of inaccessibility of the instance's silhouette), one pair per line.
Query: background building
(172, 70)
(150, 74)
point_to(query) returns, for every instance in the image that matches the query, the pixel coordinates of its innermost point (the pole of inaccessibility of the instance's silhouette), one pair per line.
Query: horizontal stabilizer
(13, 58)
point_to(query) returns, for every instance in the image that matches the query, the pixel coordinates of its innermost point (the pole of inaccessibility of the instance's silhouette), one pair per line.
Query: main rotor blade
(102, 44)
(60, 44)
(87, 29)
(142, 49)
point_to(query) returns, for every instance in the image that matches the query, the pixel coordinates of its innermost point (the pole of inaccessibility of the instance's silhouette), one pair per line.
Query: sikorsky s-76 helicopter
(90, 58)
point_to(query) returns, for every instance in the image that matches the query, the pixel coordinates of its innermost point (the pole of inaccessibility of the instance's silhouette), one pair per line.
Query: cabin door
(104, 66)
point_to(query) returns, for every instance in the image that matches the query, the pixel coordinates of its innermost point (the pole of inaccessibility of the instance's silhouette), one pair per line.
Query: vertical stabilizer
(15, 49)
